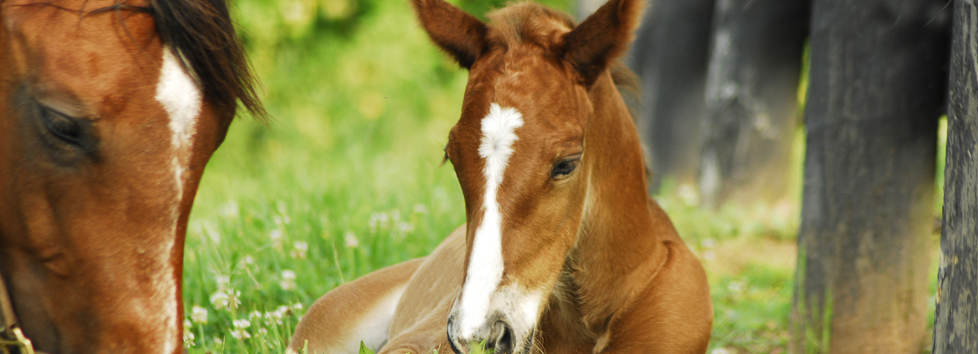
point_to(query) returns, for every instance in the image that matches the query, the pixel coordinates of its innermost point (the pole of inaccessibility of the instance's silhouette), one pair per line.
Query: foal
(562, 250)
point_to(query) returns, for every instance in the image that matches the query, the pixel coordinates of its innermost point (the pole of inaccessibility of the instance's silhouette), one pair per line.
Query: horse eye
(61, 126)
(565, 167)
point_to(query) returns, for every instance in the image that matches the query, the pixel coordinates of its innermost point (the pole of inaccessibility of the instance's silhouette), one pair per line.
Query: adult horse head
(561, 235)
(109, 111)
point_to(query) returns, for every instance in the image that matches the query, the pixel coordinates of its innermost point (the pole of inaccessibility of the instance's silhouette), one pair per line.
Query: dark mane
(202, 35)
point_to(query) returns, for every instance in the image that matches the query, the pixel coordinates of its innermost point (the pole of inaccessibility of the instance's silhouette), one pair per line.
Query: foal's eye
(565, 167)
(62, 126)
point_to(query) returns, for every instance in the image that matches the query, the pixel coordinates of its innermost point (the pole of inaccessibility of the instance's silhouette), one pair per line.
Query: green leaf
(364, 349)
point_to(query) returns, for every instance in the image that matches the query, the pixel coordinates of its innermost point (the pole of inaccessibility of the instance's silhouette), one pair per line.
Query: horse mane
(202, 35)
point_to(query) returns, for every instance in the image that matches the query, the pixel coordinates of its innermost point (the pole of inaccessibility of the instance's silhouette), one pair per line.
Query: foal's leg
(357, 311)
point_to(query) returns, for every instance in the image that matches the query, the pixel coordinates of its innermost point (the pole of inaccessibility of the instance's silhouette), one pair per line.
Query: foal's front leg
(357, 311)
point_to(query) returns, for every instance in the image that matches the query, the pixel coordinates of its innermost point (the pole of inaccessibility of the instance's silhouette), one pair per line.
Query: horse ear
(458, 33)
(602, 37)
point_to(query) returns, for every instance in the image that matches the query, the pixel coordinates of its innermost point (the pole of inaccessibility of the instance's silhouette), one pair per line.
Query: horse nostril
(502, 342)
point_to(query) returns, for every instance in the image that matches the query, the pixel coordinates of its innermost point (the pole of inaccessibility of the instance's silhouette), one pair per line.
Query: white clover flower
(708, 243)
(297, 306)
(222, 282)
(242, 323)
(709, 256)
(276, 316)
(188, 335)
(405, 227)
(736, 286)
(230, 209)
(299, 249)
(188, 338)
(240, 334)
(198, 314)
(219, 299)
(350, 240)
(276, 237)
(262, 332)
(420, 209)
(234, 299)
(288, 280)
(240, 329)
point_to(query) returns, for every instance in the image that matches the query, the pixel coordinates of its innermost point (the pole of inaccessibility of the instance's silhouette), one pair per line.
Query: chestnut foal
(562, 250)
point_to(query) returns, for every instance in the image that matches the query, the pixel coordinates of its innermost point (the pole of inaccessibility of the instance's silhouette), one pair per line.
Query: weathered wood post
(877, 85)
(956, 322)
(670, 56)
(752, 99)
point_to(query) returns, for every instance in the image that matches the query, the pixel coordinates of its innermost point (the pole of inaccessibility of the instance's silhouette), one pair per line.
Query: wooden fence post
(752, 98)
(956, 321)
(877, 85)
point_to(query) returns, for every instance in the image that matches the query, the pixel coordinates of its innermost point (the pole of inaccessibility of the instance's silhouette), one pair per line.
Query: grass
(347, 179)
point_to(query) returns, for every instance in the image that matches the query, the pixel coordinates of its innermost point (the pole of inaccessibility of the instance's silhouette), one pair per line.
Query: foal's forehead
(526, 80)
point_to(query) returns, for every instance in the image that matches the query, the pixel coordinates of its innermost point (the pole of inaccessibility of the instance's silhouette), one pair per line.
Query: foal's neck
(618, 249)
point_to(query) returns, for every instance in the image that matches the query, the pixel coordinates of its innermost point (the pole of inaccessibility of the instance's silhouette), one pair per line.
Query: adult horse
(562, 250)
(109, 111)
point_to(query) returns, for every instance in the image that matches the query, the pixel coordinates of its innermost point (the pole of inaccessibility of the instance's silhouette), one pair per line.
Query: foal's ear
(458, 33)
(602, 37)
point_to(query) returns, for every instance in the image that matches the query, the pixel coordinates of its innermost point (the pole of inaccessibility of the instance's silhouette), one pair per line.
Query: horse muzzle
(496, 334)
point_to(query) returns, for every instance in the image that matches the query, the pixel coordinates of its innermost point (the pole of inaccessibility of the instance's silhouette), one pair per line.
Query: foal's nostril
(502, 338)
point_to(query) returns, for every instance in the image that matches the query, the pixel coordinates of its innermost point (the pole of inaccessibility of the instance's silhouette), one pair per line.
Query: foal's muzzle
(498, 336)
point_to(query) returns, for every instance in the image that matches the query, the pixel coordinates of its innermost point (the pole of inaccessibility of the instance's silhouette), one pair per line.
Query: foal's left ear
(458, 33)
(602, 37)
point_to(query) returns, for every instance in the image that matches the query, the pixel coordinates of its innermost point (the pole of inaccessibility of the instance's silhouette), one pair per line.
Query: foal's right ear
(458, 33)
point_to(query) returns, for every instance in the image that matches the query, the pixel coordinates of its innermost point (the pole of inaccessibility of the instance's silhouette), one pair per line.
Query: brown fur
(82, 225)
(617, 277)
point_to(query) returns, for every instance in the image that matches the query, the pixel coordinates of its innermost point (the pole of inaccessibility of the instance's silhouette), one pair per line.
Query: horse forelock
(531, 23)
(202, 35)
(527, 23)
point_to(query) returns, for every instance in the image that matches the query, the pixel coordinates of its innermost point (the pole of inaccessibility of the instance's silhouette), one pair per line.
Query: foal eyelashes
(565, 166)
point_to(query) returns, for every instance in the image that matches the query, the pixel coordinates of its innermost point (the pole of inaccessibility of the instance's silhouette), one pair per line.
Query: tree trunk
(670, 57)
(956, 322)
(877, 84)
(752, 98)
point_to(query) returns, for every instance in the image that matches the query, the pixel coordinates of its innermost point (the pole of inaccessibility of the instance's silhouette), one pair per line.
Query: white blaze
(486, 261)
(180, 97)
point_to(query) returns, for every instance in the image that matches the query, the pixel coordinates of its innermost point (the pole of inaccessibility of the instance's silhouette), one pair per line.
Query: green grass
(346, 179)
